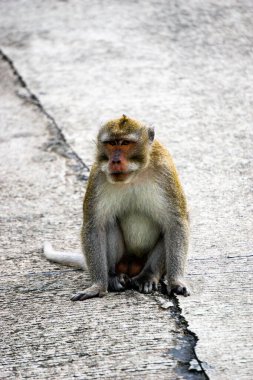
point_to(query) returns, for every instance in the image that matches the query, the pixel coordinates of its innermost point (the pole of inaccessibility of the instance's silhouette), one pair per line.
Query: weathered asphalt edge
(59, 145)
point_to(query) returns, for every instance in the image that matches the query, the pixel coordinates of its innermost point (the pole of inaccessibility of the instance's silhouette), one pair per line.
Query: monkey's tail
(73, 259)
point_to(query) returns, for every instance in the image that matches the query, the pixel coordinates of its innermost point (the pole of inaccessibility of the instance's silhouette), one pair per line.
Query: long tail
(73, 259)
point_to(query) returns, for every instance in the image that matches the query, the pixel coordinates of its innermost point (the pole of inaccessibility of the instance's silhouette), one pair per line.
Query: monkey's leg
(94, 246)
(176, 242)
(153, 270)
(115, 251)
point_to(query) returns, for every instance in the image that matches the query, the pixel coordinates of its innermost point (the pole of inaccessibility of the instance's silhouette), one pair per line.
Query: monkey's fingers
(123, 279)
(145, 285)
(149, 286)
(116, 284)
(93, 291)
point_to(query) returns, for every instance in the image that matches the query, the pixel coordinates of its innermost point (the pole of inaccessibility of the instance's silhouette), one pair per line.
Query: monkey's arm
(153, 270)
(176, 222)
(93, 239)
(176, 235)
(176, 243)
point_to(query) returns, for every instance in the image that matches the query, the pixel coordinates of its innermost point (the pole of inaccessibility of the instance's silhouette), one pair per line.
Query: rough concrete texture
(43, 334)
(185, 67)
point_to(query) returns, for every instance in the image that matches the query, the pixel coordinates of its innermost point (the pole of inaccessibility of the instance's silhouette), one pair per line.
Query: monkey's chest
(140, 233)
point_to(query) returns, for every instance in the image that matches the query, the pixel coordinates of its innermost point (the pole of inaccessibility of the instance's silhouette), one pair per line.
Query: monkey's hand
(117, 283)
(178, 287)
(94, 291)
(145, 283)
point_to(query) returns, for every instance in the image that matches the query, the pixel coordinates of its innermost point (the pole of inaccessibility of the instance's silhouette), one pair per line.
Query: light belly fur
(140, 233)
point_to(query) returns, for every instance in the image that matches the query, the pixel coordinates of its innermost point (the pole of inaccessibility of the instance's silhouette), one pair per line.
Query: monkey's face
(121, 159)
(123, 149)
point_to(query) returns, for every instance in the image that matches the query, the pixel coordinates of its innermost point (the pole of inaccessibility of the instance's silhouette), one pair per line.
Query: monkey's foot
(116, 283)
(93, 291)
(178, 287)
(145, 283)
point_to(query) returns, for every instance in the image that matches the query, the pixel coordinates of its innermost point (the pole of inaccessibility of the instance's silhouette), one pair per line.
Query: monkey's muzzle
(119, 176)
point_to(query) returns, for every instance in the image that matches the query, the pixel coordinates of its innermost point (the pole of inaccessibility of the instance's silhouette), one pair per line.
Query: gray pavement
(43, 334)
(186, 68)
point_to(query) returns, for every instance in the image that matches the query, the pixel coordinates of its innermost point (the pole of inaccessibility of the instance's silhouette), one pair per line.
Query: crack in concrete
(59, 145)
(192, 339)
(186, 354)
(57, 142)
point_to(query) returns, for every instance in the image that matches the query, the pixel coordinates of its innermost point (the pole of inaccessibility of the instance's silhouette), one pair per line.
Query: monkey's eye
(125, 142)
(112, 142)
(102, 157)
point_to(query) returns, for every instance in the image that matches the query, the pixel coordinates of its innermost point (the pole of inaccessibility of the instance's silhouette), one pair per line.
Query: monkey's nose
(116, 161)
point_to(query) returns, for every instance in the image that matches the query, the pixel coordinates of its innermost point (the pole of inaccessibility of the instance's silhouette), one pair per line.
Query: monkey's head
(123, 149)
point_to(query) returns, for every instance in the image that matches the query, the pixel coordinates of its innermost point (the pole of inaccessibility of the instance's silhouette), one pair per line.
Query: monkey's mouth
(119, 176)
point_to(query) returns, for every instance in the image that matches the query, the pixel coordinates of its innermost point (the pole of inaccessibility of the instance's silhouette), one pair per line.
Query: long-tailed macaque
(135, 219)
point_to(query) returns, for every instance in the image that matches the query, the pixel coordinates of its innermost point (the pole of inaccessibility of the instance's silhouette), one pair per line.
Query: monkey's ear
(151, 134)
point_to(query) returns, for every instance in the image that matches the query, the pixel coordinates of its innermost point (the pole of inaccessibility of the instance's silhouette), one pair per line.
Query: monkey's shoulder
(163, 166)
(160, 156)
(167, 176)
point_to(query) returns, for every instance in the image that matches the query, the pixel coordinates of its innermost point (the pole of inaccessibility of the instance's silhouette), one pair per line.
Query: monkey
(135, 225)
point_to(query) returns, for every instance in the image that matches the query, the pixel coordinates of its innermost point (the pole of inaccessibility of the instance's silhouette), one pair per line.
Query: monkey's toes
(179, 290)
(83, 296)
(91, 292)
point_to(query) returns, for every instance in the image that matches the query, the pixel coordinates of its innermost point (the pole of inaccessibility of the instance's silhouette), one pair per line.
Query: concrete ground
(186, 68)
